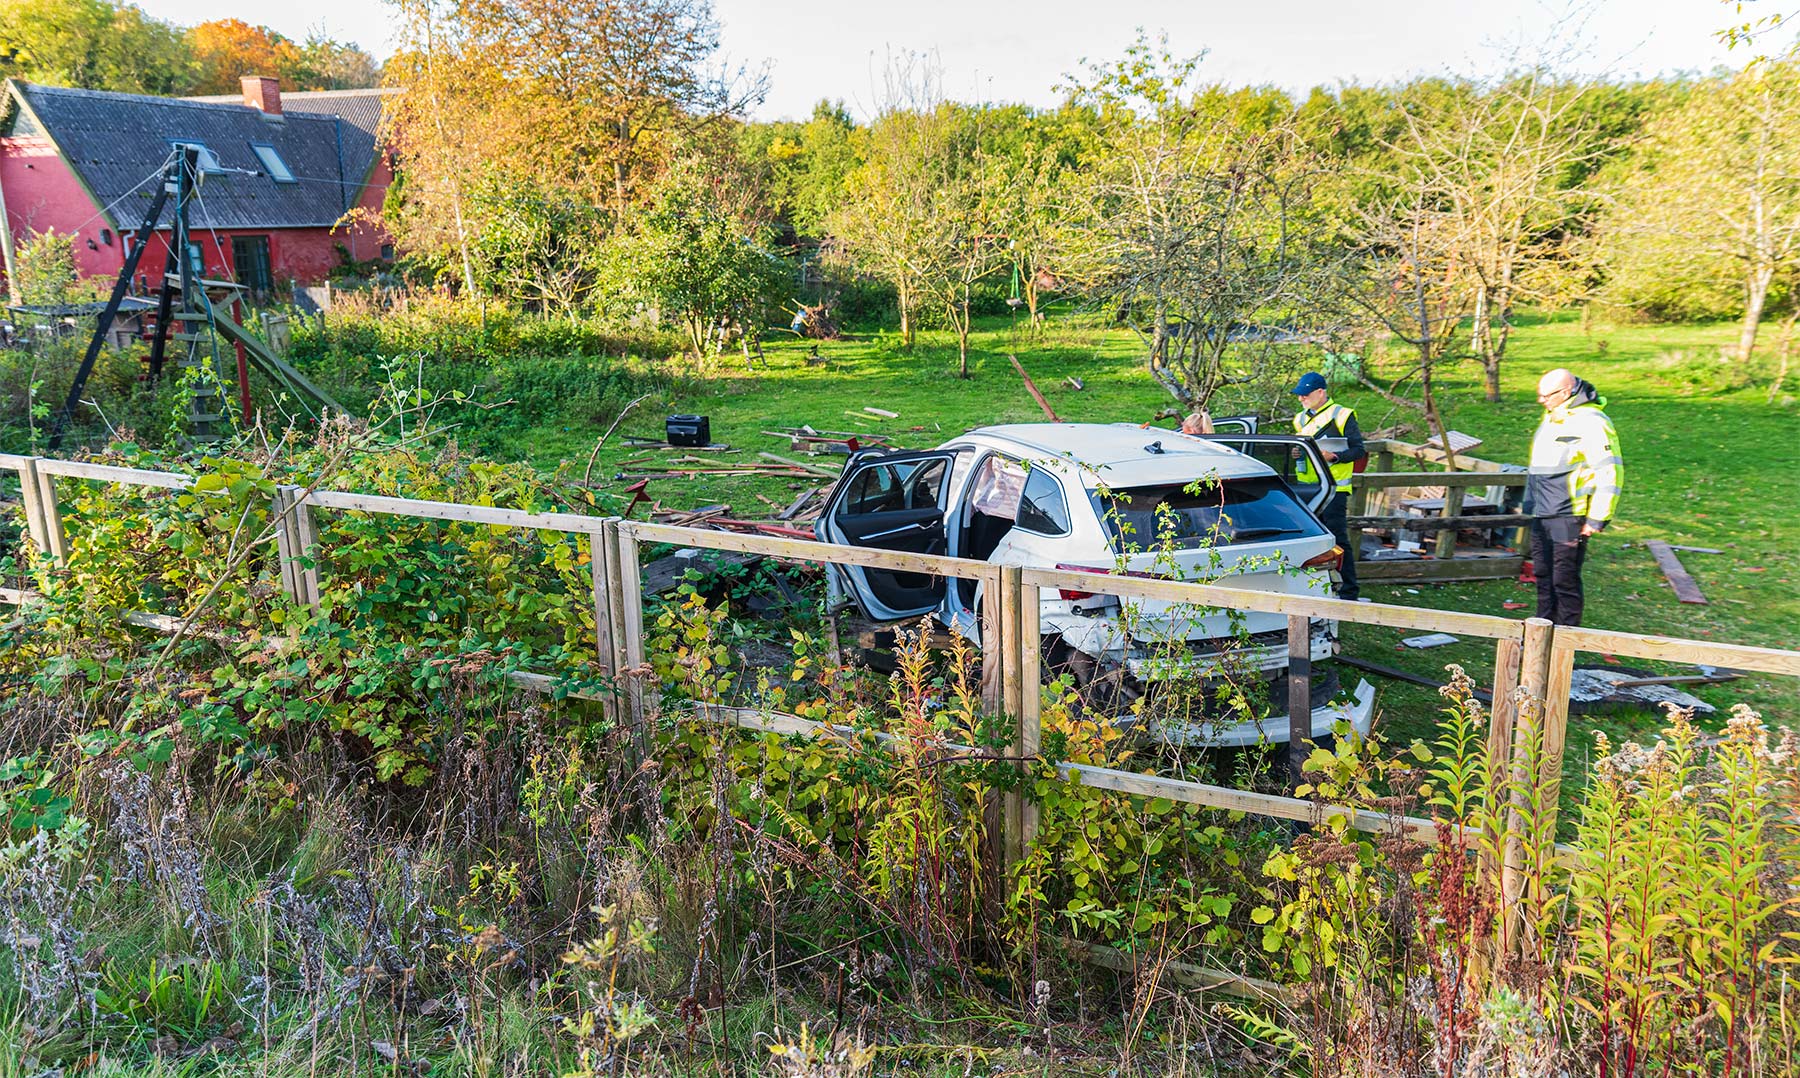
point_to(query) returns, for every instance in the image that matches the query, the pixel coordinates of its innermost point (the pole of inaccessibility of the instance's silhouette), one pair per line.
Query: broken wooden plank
(1397, 674)
(1432, 524)
(1031, 387)
(1686, 589)
(1713, 678)
(881, 411)
(811, 469)
(797, 504)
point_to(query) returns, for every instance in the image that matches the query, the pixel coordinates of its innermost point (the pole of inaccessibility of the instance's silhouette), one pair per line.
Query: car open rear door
(890, 501)
(1235, 424)
(1286, 453)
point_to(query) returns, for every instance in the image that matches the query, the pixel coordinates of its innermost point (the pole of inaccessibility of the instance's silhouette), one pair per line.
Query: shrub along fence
(1533, 660)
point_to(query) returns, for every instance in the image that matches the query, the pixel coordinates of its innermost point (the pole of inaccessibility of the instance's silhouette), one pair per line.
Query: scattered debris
(665, 447)
(1708, 675)
(798, 504)
(881, 411)
(1074, 383)
(1398, 674)
(664, 574)
(814, 322)
(1592, 689)
(1430, 640)
(1031, 387)
(1686, 589)
(1695, 549)
(808, 440)
(1510, 605)
(807, 469)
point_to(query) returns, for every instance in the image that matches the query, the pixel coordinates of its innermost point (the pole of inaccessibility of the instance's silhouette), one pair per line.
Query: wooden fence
(1445, 562)
(1530, 655)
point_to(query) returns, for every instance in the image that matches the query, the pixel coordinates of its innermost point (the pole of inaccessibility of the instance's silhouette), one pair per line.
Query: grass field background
(1709, 462)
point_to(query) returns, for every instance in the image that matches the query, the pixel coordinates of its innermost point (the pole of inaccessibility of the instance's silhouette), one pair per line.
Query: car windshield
(1205, 513)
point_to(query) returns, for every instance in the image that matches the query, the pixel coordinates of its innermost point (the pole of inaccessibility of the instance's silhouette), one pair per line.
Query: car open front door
(891, 501)
(1286, 453)
(1234, 424)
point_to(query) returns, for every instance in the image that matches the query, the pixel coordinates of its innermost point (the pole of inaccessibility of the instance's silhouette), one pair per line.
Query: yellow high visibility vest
(1308, 426)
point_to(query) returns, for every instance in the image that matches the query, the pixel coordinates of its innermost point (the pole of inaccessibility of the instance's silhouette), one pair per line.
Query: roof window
(272, 163)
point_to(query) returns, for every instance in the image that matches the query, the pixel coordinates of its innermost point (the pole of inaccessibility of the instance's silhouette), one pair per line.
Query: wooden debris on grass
(808, 440)
(1686, 589)
(883, 412)
(1031, 387)
(811, 469)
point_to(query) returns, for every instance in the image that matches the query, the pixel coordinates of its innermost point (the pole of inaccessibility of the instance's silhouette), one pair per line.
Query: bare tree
(1412, 282)
(1495, 161)
(1715, 195)
(1209, 245)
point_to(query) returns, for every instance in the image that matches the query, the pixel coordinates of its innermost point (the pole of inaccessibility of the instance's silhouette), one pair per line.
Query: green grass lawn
(1709, 463)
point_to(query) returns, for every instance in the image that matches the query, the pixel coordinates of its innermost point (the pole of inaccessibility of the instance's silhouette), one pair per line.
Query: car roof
(1119, 455)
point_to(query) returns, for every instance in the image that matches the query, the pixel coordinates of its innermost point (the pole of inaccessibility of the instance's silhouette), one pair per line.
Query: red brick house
(295, 170)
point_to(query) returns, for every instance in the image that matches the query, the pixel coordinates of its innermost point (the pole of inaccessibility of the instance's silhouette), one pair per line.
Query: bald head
(1555, 387)
(1560, 380)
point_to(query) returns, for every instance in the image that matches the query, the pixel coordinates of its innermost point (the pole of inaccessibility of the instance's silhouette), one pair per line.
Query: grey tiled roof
(117, 143)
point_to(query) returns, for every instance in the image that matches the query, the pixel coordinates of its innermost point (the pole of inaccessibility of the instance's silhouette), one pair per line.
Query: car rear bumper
(1358, 711)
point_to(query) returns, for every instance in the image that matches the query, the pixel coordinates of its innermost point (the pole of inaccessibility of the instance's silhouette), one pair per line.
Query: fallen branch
(588, 475)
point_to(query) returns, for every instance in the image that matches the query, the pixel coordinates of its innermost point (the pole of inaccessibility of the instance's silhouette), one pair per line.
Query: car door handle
(897, 531)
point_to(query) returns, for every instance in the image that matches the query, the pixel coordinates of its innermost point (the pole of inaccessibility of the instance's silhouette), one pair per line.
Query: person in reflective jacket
(1319, 417)
(1573, 489)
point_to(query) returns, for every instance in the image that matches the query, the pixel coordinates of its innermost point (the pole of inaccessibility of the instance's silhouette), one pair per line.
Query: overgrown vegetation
(289, 840)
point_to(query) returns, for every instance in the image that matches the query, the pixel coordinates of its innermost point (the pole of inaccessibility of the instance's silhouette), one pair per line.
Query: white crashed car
(1225, 508)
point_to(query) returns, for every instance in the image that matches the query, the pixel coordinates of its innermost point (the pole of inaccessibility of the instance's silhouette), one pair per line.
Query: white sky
(1004, 50)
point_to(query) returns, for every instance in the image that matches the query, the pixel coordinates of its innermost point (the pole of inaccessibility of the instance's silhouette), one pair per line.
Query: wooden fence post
(1010, 611)
(1299, 640)
(605, 655)
(284, 544)
(1558, 683)
(296, 540)
(1446, 537)
(1528, 722)
(31, 495)
(1031, 702)
(630, 581)
(996, 607)
(38, 488)
(1358, 506)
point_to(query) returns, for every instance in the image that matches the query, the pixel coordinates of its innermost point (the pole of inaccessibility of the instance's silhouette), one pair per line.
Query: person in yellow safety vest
(1572, 489)
(1320, 418)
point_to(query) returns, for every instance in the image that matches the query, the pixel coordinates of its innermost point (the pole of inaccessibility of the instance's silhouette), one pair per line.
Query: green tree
(1708, 217)
(1200, 230)
(701, 265)
(93, 44)
(802, 166)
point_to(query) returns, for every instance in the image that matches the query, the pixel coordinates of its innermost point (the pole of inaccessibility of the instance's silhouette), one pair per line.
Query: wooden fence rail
(1533, 660)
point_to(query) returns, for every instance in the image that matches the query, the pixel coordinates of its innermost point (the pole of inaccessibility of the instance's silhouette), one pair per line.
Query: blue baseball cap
(1309, 382)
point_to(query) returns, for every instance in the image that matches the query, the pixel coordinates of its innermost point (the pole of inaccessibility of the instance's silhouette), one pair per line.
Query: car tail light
(1073, 594)
(1328, 560)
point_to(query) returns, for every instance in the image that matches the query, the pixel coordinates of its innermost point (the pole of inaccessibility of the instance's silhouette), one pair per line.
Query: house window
(387, 252)
(272, 163)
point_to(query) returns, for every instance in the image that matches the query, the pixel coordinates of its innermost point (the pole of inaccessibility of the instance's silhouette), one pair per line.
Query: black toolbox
(688, 430)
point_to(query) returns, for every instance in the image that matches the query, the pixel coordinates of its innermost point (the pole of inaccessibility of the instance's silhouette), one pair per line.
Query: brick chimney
(262, 93)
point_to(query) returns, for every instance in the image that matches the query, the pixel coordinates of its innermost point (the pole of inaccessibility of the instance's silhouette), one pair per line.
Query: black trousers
(1334, 516)
(1557, 551)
